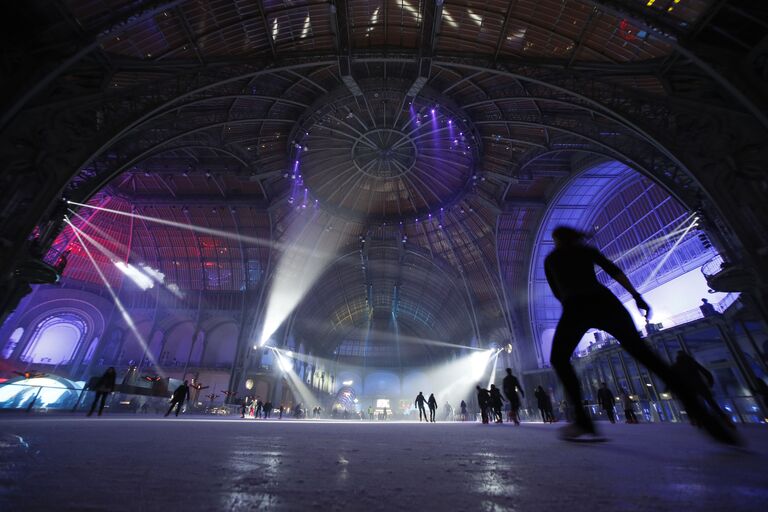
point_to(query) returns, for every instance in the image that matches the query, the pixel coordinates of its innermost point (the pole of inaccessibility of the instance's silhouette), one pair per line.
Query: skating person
(259, 406)
(370, 413)
(496, 404)
(267, 410)
(448, 412)
(544, 403)
(483, 399)
(463, 409)
(177, 400)
(570, 272)
(511, 385)
(104, 386)
(432, 404)
(699, 378)
(419, 403)
(605, 401)
(628, 405)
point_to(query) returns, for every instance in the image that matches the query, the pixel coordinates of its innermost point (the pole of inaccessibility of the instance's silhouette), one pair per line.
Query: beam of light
(150, 272)
(669, 253)
(298, 269)
(660, 240)
(301, 391)
(361, 332)
(118, 303)
(137, 276)
(144, 278)
(456, 380)
(263, 242)
(494, 365)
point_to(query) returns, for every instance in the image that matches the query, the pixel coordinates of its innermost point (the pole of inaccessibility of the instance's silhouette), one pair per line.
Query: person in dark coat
(511, 385)
(570, 272)
(259, 407)
(419, 403)
(432, 404)
(544, 403)
(177, 400)
(483, 400)
(606, 401)
(628, 404)
(496, 403)
(463, 409)
(103, 387)
(267, 410)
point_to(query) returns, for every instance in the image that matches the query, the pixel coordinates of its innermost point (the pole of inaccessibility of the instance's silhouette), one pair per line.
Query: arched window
(10, 345)
(56, 339)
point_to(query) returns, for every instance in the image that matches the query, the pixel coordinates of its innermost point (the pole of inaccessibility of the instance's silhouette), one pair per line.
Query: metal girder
(340, 28)
(118, 24)
(128, 111)
(430, 25)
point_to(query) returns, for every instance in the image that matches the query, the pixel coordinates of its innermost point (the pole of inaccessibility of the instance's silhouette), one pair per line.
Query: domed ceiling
(438, 128)
(382, 156)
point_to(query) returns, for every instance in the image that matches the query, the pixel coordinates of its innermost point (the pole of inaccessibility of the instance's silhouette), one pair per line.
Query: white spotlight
(137, 276)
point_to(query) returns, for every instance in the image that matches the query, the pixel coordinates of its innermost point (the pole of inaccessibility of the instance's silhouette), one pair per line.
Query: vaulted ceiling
(432, 130)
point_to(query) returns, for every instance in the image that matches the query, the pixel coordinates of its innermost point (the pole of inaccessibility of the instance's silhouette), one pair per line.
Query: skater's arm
(620, 277)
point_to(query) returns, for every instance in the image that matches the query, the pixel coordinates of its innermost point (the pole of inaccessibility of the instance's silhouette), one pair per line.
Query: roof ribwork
(197, 112)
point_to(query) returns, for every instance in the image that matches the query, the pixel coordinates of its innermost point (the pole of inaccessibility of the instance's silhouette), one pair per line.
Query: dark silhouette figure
(707, 309)
(700, 379)
(483, 401)
(496, 403)
(605, 400)
(432, 403)
(544, 403)
(104, 386)
(570, 271)
(267, 410)
(463, 408)
(628, 405)
(259, 406)
(511, 385)
(419, 403)
(282, 410)
(177, 400)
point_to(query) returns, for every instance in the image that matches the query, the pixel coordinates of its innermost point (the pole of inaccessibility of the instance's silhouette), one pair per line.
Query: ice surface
(196, 463)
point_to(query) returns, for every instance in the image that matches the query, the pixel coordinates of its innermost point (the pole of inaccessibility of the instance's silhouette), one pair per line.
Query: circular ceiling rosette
(384, 156)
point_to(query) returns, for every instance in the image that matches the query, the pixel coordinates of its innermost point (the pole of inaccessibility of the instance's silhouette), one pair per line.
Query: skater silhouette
(419, 402)
(104, 386)
(495, 403)
(483, 399)
(177, 400)
(432, 403)
(511, 385)
(570, 272)
(544, 404)
(699, 378)
(606, 401)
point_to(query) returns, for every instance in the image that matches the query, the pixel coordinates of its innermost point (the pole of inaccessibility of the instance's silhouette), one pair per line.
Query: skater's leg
(569, 332)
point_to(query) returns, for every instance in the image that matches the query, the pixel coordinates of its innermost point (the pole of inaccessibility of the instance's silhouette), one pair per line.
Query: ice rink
(200, 464)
